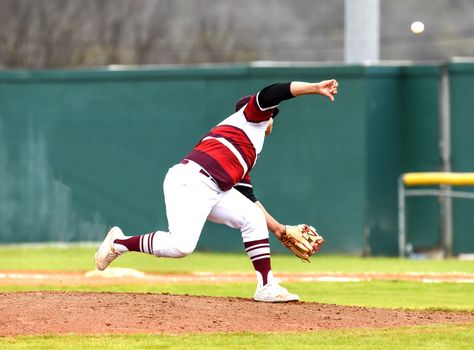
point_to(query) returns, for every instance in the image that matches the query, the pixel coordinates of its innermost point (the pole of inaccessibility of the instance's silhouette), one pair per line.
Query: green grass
(430, 338)
(79, 258)
(388, 294)
(392, 294)
(408, 295)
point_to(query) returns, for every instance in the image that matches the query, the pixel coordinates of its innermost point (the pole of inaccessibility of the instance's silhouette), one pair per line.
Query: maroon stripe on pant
(257, 246)
(252, 243)
(150, 245)
(260, 255)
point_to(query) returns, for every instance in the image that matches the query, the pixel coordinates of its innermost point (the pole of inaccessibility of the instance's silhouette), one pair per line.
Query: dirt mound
(28, 313)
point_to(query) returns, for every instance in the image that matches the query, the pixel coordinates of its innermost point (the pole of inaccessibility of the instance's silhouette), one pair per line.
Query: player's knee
(184, 249)
(256, 217)
(255, 225)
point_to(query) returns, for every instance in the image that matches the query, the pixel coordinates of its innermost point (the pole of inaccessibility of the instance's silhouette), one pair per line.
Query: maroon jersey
(229, 151)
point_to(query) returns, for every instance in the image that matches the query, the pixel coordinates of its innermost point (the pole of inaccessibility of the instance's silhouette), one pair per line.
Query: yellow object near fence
(442, 179)
(438, 178)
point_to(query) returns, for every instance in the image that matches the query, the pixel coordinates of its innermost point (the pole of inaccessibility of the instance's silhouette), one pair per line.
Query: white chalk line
(203, 277)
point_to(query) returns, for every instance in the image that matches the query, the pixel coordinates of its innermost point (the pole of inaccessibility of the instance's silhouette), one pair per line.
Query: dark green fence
(420, 148)
(462, 141)
(82, 150)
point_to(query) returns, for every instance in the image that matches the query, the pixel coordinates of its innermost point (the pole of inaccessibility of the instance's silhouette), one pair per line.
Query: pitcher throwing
(213, 183)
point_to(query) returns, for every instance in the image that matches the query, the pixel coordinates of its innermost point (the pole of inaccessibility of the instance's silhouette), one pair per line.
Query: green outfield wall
(85, 149)
(462, 143)
(419, 132)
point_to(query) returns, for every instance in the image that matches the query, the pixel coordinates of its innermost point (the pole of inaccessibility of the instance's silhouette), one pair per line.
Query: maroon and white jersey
(229, 151)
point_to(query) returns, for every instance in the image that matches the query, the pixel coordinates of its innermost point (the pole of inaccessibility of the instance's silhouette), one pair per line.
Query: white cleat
(106, 253)
(274, 293)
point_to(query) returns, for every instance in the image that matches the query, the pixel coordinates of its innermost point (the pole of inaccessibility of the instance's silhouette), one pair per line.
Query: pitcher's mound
(26, 313)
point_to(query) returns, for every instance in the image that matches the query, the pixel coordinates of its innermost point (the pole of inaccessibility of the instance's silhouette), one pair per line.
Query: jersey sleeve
(264, 104)
(272, 95)
(254, 113)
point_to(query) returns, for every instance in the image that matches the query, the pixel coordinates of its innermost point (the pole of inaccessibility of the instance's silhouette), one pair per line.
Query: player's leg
(236, 211)
(189, 197)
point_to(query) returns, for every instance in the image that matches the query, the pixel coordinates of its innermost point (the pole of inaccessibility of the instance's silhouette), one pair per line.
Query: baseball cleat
(274, 293)
(106, 253)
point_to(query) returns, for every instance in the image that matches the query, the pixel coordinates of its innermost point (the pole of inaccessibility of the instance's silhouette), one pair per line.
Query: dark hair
(242, 102)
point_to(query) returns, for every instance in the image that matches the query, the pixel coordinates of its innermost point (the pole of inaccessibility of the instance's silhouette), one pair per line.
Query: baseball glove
(302, 240)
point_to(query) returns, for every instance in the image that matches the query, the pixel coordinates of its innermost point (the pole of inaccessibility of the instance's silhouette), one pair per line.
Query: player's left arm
(272, 95)
(264, 104)
(302, 240)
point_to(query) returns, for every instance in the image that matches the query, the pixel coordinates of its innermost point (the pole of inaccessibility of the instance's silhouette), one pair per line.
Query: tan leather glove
(302, 240)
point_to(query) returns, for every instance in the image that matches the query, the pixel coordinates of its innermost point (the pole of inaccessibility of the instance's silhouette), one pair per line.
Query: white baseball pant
(190, 199)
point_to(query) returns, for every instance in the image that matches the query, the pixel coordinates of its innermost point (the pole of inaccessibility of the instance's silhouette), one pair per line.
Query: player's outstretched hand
(328, 88)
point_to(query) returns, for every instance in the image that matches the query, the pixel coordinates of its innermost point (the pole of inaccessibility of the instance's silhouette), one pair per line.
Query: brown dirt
(35, 313)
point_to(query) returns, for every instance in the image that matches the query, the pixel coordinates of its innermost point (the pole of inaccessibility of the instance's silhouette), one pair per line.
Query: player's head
(242, 102)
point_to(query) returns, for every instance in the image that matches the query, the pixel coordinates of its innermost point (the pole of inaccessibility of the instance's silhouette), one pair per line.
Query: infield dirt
(36, 313)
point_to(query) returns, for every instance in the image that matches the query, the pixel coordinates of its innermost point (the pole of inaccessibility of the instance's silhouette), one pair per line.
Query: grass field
(430, 338)
(80, 258)
(387, 294)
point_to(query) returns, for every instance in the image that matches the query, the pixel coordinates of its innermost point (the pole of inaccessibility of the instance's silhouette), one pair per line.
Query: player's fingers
(299, 254)
(328, 93)
(304, 246)
(328, 83)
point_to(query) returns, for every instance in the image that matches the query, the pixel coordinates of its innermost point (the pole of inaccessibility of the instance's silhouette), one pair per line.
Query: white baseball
(417, 27)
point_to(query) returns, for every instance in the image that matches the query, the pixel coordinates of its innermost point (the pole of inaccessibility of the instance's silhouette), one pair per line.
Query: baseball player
(213, 183)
